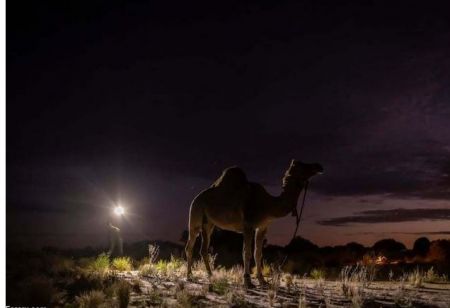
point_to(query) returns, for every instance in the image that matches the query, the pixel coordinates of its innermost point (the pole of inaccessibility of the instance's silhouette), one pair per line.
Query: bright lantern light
(118, 210)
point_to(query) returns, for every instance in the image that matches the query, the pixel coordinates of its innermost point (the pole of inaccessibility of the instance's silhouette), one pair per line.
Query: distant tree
(439, 251)
(357, 247)
(421, 246)
(354, 252)
(299, 244)
(389, 248)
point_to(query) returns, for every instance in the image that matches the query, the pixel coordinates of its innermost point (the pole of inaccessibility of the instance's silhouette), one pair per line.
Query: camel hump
(232, 178)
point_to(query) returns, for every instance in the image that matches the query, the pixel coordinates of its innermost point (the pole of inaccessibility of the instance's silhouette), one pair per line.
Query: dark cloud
(426, 233)
(387, 216)
(407, 233)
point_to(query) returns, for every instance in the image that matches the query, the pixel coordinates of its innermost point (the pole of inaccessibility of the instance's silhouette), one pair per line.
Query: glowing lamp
(119, 211)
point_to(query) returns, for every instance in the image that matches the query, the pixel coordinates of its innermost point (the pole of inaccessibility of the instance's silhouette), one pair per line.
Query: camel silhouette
(233, 203)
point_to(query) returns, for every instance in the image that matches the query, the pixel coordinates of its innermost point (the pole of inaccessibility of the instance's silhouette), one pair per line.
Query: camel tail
(198, 224)
(196, 219)
(196, 216)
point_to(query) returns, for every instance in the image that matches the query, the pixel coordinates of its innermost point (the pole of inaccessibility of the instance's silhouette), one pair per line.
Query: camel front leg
(247, 256)
(207, 229)
(259, 240)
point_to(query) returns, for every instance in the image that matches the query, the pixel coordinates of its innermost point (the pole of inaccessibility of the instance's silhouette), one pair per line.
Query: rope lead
(298, 216)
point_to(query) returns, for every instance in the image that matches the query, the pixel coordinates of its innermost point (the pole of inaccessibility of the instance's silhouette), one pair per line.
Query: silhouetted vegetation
(53, 277)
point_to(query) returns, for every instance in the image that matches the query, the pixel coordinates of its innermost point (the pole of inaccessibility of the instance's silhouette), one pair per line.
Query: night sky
(147, 102)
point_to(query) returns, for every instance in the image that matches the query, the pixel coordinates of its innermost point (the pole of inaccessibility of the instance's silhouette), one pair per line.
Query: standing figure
(115, 240)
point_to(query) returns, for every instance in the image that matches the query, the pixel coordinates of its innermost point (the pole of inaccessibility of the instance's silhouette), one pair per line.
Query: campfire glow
(379, 260)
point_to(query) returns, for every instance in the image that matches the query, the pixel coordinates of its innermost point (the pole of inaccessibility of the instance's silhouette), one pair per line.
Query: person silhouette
(115, 240)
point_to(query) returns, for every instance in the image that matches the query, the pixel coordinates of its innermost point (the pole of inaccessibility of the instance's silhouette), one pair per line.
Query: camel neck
(287, 200)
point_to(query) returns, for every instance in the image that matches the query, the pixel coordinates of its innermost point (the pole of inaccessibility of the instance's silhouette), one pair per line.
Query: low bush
(38, 291)
(416, 278)
(122, 264)
(92, 299)
(433, 276)
(123, 293)
(147, 270)
(317, 274)
(100, 264)
(219, 285)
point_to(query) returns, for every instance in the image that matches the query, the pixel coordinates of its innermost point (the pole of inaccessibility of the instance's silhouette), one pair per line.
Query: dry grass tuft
(354, 281)
(433, 277)
(185, 299)
(92, 299)
(416, 278)
(318, 273)
(122, 290)
(146, 270)
(219, 283)
(274, 285)
(122, 264)
(99, 265)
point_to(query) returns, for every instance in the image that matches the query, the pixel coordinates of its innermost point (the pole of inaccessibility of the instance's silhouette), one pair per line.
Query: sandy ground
(303, 293)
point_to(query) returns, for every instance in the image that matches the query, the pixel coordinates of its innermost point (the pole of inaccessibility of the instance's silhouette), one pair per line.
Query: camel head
(299, 172)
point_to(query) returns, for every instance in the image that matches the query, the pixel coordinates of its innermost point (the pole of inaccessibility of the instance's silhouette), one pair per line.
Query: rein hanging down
(295, 213)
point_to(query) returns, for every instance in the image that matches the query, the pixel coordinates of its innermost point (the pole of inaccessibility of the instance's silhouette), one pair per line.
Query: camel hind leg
(207, 230)
(247, 255)
(195, 226)
(259, 240)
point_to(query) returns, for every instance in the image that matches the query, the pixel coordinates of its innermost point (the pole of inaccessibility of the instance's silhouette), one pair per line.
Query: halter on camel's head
(299, 174)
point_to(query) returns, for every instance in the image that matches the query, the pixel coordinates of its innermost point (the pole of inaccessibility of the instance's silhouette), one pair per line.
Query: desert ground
(289, 291)
(51, 279)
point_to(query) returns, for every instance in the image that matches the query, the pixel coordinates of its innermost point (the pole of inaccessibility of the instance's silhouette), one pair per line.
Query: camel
(235, 204)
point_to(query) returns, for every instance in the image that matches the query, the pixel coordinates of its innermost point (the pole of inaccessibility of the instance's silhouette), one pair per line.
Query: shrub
(219, 285)
(318, 274)
(289, 282)
(122, 264)
(146, 270)
(274, 285)
(84, 262)
(179, 286)
(155, 298)
(236, 298)
(123, 293)
(161, 267)
(416, 278)
(174, 264)
(109, 291)
(87, 281)
(354, 279)
(38, 291)
(432, 276)
(62, 266)
(266, 269)
(142, 262)
(93, 299)
(236, 274)
(100, 264)
(136, 286)
(184, 299)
